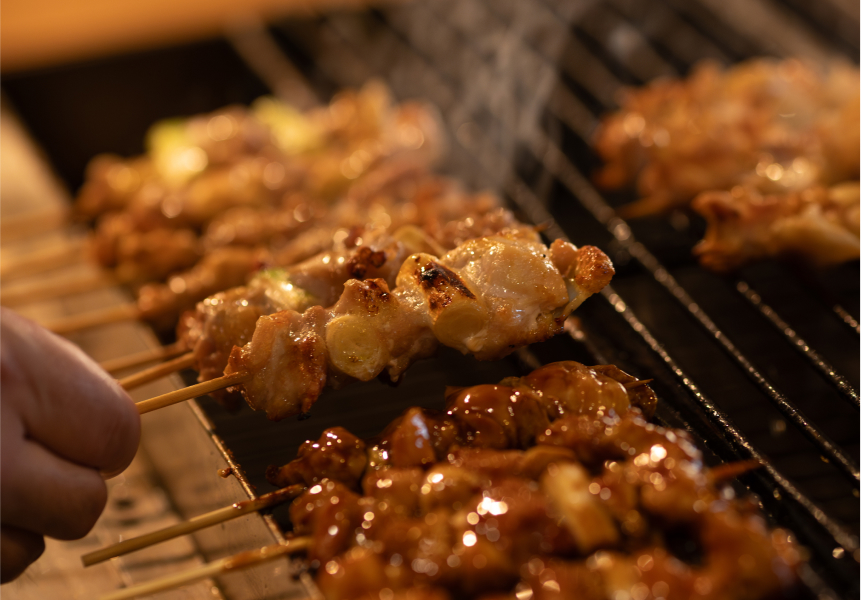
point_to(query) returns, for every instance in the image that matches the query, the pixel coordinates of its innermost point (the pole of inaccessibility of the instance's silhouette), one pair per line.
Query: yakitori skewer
(40, 291)
(47, 259)
(551, 477)
(243, 560)
(227, 318)
(106, 316)
(254, 184)
(214, 517)
(486, 297)
(555, 477)
(193, 391)
(185, 361)
(17, 227)
(138, 359)
(438, 225)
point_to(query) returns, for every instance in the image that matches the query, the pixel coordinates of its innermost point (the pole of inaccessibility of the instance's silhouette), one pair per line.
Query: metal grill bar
(815, 359)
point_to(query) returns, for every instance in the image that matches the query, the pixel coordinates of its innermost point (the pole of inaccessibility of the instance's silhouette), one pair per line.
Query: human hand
(66, 426)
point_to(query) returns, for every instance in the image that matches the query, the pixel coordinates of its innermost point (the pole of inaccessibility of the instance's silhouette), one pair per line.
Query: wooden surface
(175, 475)
(38, 33)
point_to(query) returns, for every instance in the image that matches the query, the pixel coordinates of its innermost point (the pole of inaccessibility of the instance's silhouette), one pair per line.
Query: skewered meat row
(398, 197)
(767, 132)
(486, 297)
(360, 127)
(422, 437)
(269, 158)
(227, 319)
(547, 486)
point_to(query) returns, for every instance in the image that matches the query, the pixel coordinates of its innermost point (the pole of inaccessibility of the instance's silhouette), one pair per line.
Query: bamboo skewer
(175, 365)
(192, 391)
(212, 518)
(32, 223)
(733, 469)
(139, 359)
(112, 314)
(243, 560)
(41, 261)
(635, 384)
(39, 291)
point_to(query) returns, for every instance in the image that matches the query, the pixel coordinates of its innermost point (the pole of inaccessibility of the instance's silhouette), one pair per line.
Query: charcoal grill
(763, 364)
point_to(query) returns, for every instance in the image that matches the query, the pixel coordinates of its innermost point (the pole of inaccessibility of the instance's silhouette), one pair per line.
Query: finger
(18, 550)
(46, 494)
(66, 401)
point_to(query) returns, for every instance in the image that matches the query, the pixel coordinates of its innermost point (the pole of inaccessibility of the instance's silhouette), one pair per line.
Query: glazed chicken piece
(485, 297)
(571, 388)
(329, 512)
(418, 438)
(816, 225)
(583, 514)
(497, 416)
(360, 574)
(338, 455)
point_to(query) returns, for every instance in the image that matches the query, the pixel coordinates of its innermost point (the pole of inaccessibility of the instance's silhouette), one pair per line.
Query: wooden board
(175, 475)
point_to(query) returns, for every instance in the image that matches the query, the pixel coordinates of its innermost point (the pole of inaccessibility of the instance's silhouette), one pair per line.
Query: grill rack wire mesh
(521, 87)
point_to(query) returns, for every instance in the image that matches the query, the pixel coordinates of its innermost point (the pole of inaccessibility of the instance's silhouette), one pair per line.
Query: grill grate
(521, 87)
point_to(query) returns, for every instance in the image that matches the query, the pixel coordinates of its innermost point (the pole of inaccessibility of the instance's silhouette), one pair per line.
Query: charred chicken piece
(816, 225)
(485, 297)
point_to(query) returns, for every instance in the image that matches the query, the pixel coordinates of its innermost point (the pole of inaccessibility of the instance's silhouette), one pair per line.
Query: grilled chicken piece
(776, 125)
(568, 387)
(817, 225)
(585, 513)
(418, 438)
(227, 267)
(338, 455)
(486, 297)
(497, 416)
